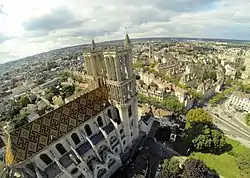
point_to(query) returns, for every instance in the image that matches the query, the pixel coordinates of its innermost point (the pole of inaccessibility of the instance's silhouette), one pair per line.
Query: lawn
(224, 164)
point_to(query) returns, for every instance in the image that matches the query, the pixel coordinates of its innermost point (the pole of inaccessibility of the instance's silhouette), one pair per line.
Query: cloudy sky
(29, 27)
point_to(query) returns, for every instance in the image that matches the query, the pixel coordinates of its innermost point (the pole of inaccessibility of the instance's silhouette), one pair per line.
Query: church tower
(94, 64)
(114, 69)
(121, 82)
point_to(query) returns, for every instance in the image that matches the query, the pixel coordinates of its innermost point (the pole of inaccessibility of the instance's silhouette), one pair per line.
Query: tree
(20, 119)
(218, 140)
(245, 88)
(171, 169)
(40, 81)
(153, 64)
(24, 101)
(193, 168)
(67, 90)
(217, 99)
(198, 115)
(209, 74)
(206, 139)
(247, 119)
(49, 96)
(173, 104)
(138, 64)
(243, 163)
(238, 73)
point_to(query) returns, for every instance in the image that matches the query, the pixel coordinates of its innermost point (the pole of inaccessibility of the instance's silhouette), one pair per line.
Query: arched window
(74, 171)
(117, 119)
(46, 159)
(99, 121)
(75, 138)
(101, 172)
(112, 139)
(116, 150)
(109, 113)
(88, 130)
(61, 149)
(111, 162)
(129, 111)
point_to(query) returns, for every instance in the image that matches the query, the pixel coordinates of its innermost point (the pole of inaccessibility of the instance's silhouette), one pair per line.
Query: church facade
(89, 136)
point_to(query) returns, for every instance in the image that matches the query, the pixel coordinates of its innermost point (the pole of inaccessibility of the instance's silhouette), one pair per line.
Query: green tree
(173, 104)
(243, 163)
(171, 169)
(245, 88)
(247, 119)
(193, 168)
(218, 140)
(209, 74)
(40, 81)
(49, 96)
(238, 73)
(206, 139)
(193, 93)
(153, 64)
(20, 119)
(24, 101)
(217, 99)
(67, 90)
(138, 64)
(198, 115)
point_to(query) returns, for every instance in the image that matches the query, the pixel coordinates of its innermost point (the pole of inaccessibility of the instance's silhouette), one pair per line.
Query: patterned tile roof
(31, 138)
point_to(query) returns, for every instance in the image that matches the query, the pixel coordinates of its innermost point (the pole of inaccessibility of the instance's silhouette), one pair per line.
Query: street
(229, 124)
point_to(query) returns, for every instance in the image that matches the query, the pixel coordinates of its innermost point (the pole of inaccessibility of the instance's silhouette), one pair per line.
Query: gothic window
(31, 167)
(88, 130)
(117, 119)
(74, 171)
(99, 82)
(75, 138)
(99, 121)
(46, 159)
(61, 149)
(109, 113)
(129, 111)
(112, 139)
(101, 172)
(111, 162)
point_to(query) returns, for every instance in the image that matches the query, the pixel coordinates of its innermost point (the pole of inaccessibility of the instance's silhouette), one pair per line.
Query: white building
(230, 71)
(240, 101)
(89, 136)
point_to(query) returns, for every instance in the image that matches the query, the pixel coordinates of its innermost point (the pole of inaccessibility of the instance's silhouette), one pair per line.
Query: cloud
(3, 38)
(59, 18)
(1, 10)
(46, 25)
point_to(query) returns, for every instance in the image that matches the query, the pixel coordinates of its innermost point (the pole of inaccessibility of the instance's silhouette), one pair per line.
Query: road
(230, 125)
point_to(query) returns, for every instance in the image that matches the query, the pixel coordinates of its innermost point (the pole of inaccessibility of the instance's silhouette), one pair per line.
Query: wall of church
(66, 142)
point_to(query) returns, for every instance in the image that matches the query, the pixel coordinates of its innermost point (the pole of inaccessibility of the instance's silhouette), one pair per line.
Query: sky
(28, 27)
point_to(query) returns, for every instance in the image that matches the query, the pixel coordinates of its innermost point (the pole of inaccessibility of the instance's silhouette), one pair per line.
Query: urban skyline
(43, 25)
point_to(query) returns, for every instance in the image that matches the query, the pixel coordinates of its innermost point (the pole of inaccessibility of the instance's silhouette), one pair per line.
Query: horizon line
(195, 38)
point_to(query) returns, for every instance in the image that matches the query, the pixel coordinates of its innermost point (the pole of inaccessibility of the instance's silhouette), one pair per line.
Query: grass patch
(224, 164)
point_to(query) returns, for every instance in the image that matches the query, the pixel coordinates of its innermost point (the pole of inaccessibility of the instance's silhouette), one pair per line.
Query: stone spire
(127, 41)
(93, 45)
